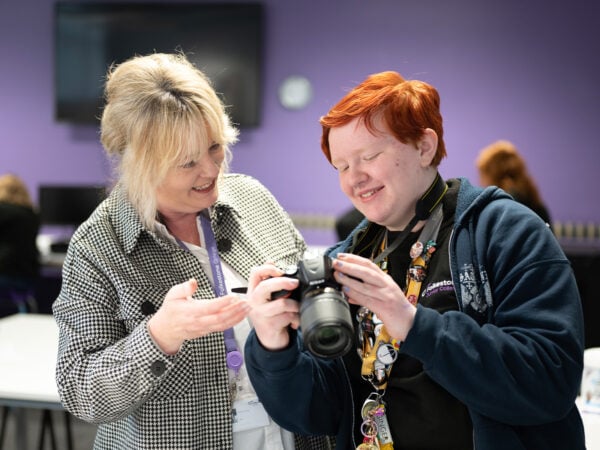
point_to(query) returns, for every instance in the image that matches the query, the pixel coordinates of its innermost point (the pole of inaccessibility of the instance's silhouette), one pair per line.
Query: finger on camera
(281, 306)
(355, 269)
(354, 259)
(350, 281)
(279, 284)
(267, 270)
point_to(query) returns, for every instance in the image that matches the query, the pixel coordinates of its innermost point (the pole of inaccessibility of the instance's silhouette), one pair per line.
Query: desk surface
(28, 348)
(591, 423)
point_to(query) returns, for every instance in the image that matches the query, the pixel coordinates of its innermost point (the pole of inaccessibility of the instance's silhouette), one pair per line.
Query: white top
(270, 436)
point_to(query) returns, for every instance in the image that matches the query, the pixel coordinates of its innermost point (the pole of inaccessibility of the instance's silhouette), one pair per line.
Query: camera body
(325, 318)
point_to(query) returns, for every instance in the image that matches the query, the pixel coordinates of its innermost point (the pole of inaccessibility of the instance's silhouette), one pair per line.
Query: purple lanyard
(234, 357)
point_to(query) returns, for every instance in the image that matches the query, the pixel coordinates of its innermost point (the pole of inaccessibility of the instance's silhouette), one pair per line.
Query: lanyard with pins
(376, 347)
(379, 350)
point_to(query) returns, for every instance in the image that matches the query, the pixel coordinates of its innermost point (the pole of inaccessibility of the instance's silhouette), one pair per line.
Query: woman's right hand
(180, 317)
(271, 318)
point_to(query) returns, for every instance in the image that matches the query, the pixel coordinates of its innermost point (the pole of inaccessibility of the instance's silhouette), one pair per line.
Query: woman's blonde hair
(13, 190)
(160, 111)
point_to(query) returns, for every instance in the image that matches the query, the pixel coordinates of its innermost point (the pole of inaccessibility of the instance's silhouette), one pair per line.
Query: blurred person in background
(19, 255)
(500, 164)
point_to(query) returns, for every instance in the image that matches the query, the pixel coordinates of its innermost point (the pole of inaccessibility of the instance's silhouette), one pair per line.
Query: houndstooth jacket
(115, 276)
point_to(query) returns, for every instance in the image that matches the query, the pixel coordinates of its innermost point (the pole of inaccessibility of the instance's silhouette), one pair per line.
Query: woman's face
(382, 176)
(192, 186)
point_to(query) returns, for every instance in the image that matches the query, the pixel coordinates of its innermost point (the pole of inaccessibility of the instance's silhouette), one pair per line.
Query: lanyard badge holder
(233, 357)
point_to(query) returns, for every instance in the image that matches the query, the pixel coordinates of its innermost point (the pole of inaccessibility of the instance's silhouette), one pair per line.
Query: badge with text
(248, 414)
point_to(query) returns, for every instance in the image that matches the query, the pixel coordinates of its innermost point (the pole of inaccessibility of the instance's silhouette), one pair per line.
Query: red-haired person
(467, 322)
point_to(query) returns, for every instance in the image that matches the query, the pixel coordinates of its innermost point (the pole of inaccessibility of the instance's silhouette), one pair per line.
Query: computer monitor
(68, 205)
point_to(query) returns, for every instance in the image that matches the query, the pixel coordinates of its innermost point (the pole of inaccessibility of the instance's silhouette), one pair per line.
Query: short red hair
(408, 107)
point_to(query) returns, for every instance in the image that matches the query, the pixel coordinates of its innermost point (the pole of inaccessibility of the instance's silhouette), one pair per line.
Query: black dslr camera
(324, 312)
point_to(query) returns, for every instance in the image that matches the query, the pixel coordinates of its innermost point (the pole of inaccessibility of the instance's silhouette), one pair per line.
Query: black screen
(222, 40)
(68, 205)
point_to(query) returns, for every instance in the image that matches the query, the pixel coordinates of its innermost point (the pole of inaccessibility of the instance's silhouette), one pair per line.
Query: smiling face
(382, 176)
(191, 186)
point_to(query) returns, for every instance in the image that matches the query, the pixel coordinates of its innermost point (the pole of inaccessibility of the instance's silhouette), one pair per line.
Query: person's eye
(215, 147)
(372, 156)
(188, 165)
(340, 167)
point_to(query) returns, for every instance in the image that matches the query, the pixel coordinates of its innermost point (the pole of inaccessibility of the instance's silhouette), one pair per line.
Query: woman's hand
(180, 317)
(271, 318)
(364, 283)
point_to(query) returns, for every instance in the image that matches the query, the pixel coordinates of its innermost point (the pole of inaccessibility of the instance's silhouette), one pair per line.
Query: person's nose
(356, 177)
(209, 167)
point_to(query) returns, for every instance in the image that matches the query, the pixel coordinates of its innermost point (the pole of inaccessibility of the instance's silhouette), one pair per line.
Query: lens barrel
(326, 323)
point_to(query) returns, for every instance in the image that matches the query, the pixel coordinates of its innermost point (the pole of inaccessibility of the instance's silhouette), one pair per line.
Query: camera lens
(326, 323)
(326, 336)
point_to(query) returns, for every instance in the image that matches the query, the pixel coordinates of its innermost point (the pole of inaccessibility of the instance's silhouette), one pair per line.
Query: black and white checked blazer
(115, 276)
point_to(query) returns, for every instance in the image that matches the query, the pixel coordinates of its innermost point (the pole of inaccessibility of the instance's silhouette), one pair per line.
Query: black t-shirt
(421, 414)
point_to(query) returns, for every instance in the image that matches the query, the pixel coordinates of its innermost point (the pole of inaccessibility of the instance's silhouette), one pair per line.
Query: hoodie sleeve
(301, 393)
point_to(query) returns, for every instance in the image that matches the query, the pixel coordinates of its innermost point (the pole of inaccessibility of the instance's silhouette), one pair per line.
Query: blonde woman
(150, 334)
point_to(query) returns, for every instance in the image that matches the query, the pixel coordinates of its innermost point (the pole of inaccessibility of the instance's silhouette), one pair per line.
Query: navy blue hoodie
(512, 353)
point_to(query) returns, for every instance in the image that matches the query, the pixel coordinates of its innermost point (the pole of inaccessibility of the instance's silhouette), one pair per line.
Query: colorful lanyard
(234, 357)
(377, 348)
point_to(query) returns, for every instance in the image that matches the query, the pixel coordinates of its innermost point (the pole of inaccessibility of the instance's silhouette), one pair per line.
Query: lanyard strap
(378, 349)
(234, 357)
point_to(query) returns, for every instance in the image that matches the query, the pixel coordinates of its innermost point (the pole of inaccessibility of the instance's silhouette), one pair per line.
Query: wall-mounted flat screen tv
(224, 40)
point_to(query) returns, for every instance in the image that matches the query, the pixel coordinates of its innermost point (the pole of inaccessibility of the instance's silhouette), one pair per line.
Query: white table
(591, 423)
(28, 349)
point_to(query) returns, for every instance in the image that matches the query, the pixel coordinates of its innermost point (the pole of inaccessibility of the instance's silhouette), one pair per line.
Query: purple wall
(523, 71)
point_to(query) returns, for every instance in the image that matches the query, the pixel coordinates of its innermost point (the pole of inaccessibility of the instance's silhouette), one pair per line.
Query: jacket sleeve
(301, 393)
(104, 371)
(524, 365)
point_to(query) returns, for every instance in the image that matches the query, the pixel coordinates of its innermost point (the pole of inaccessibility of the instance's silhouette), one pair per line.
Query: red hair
(408, 107)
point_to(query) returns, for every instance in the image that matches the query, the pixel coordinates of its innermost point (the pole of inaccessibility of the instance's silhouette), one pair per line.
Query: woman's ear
(427, 146)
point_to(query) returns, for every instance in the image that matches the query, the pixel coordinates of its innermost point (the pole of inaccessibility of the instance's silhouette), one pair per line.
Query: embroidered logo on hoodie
(474, 292)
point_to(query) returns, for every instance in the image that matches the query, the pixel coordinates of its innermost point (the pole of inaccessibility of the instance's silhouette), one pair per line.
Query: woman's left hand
(365, 284)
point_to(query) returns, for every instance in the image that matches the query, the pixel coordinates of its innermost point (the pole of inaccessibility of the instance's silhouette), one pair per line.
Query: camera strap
(423, 209)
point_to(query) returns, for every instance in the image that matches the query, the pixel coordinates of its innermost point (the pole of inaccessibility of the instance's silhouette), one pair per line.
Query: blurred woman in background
(19, 256)
(500, 164)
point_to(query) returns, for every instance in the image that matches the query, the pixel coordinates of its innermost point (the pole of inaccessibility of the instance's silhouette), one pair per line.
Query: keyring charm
(368, 428)
(368, 406)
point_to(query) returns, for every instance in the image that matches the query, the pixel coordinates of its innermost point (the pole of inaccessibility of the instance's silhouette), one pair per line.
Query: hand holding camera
(324, 320)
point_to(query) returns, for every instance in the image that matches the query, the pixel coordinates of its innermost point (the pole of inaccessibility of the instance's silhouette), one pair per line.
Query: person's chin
(206, 198)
